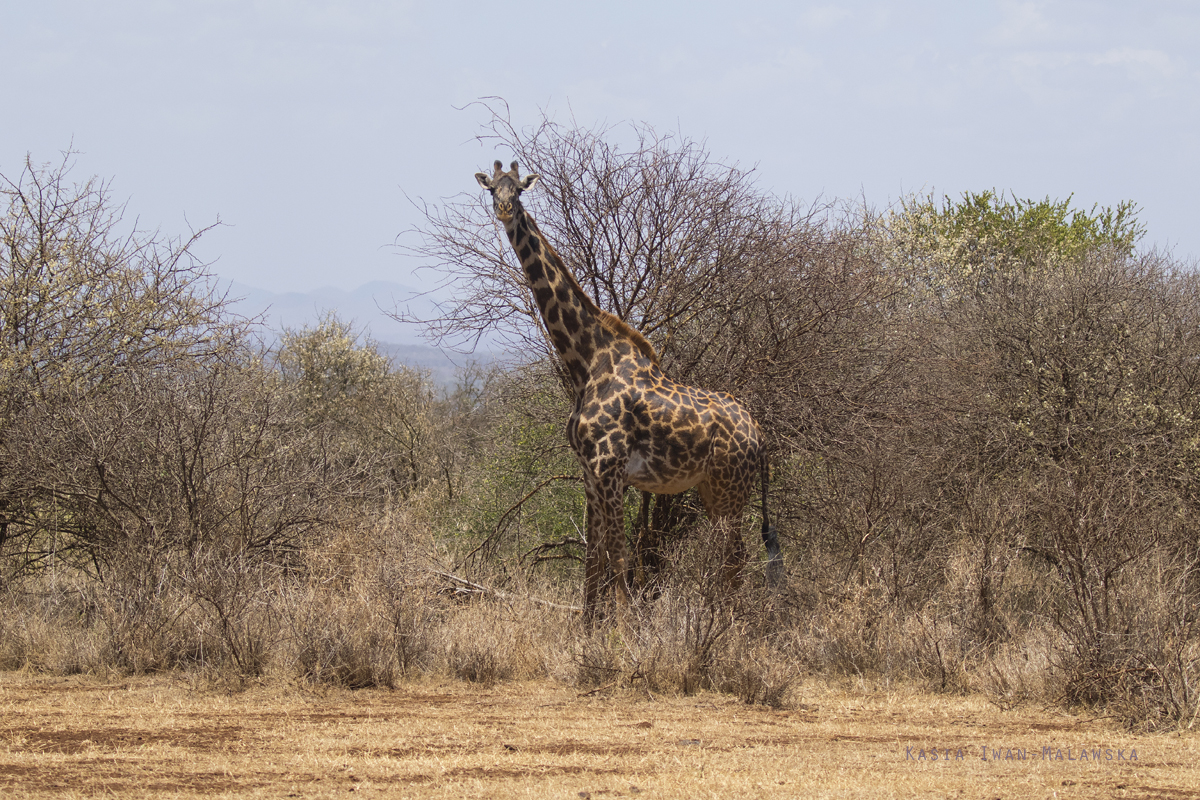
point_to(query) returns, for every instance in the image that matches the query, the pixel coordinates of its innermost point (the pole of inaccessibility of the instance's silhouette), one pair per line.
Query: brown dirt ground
(170, 737)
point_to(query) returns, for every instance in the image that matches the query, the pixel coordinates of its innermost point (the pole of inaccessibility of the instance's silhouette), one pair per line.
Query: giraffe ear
(528, 181)
(484, 180)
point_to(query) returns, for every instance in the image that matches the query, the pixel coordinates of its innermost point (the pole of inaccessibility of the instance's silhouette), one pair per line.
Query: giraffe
(630, 424)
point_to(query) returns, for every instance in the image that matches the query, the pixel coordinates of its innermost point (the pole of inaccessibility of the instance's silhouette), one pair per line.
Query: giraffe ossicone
(630, 424)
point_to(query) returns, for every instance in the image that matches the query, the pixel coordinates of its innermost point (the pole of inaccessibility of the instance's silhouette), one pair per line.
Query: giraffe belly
(640, 475)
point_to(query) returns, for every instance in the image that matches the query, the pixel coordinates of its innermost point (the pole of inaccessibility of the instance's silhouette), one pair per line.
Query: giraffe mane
(619, 327)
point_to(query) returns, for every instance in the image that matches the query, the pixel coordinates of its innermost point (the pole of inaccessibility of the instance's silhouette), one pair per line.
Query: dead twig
(598, 689)
(566, 541)
(481, 589)
(513, 508)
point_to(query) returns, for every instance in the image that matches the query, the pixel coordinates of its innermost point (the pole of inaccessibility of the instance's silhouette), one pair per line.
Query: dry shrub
(375, 607)
(370, 629)
(669, 646)
(1020, 670)
(683, 643)
(757, 670)
(863, 632)
(689, 632)
(140, 633)
(64, 622)
(517, 629)
(364, 610)
(361, 635)
(1145, 666)
(679, 640)
(43, 628)
(600, 660)
(497, 640)
(675, 642)
(846, 634)
(368, 607)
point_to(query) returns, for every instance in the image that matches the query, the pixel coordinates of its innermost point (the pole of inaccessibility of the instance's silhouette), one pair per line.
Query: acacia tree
(1067, 368)
(84, 297)
(373, 414)
(968, 247)
(657, 232)
(87, 304)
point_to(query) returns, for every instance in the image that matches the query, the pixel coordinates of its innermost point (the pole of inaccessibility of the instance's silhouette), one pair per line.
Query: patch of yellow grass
(163, 736)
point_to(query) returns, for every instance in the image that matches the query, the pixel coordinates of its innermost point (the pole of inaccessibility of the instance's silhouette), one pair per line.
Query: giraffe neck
(575, 323)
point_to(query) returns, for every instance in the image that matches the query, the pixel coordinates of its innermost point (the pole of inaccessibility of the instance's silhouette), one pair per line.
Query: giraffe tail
(769, 535)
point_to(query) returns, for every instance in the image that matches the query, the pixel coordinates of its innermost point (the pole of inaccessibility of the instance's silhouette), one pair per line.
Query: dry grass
(374, 608)
(165, 736)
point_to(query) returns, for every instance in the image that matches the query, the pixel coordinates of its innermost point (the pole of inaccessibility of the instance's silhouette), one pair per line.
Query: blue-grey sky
(303, 124)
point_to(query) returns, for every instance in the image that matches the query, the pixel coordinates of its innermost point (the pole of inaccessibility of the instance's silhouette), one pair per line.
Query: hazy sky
(303, 124)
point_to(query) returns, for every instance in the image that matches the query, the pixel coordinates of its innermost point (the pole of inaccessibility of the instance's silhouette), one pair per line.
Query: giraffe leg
(612, 491)
(724, 507)
(737, 556)
(605, 561)
(642, 547)
(592, 564)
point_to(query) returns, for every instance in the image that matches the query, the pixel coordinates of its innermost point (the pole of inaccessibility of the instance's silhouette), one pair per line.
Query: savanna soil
(168, 737)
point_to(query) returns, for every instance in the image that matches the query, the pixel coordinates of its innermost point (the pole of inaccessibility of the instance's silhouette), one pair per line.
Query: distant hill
(366, 309)
(442, 367)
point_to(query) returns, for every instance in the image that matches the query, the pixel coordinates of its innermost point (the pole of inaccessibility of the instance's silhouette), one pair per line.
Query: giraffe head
(506, 188)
